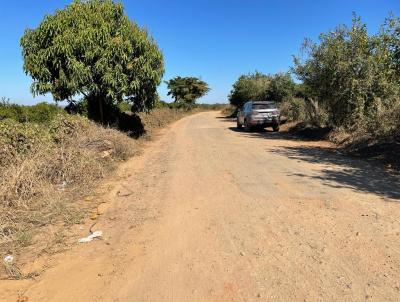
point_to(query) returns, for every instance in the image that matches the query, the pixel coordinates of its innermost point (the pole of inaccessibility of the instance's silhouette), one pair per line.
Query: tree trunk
(95, 107)
(101, 110)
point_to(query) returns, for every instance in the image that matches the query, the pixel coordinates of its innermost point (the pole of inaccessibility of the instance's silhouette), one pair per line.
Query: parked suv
(258, 114)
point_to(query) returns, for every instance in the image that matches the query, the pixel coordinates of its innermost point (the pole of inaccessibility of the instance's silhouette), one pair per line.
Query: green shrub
(10, 111)
(20, 139)
(66, 126)
(40, 113)
(353, 77)
(125, 107)
(293, 109)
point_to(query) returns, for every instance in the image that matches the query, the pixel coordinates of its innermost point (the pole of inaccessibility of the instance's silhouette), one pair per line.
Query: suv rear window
(264, 106)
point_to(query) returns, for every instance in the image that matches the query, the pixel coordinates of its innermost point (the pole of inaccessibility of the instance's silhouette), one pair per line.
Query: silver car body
(258, 114)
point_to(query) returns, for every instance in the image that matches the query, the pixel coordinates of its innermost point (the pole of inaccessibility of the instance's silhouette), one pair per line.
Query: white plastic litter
(89, 238)
(8, 258)
(62, 186)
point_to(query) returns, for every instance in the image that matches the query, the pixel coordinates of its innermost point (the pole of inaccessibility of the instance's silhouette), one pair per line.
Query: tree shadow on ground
(226, 119)
(130, 123)
(347, 172)
(265, 133)
(125, 121)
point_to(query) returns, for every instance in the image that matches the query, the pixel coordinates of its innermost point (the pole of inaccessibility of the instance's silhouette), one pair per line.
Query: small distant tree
(92, 49)
(186, 90)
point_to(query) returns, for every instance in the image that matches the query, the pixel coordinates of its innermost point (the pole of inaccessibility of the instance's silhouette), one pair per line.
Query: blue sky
(217, 40)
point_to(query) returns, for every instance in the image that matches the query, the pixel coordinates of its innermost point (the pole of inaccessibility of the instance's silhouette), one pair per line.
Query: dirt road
(209, 213)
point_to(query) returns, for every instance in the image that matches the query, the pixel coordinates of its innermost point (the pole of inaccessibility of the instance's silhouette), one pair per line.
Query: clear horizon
(214, 40)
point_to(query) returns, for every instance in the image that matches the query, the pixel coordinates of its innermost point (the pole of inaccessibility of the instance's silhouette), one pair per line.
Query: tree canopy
(280, 88)
(92, 49)
(249, 87)
(187, 90)
(352, 75)
(260, 87)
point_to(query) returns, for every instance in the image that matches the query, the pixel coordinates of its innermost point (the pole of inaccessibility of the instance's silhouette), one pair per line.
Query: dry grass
(229, 111)
(46, 169)
(161, 117)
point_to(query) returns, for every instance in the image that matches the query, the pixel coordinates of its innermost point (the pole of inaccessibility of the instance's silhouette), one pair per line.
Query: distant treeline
(44, 112)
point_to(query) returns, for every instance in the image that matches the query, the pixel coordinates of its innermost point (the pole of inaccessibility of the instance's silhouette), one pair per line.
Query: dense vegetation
(92, 49)
(349, 80)
(46, 163)
(260, 87)
(186, 90)
(38, 113)
(353, 78)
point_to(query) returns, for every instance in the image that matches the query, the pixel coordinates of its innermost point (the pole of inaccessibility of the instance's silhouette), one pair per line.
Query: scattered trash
(62, 186)
(8, 259)
(92, 236)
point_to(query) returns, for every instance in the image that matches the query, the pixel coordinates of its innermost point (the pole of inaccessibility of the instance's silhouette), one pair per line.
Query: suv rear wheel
(238, 125)
(247, 127)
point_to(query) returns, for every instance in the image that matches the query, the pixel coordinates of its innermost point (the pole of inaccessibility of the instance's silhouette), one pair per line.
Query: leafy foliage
(260, 87)
(352, 76)
(40, 113)
(186, 90)
(249, 87)
(293, 109)
(281, 87)
(91, 48)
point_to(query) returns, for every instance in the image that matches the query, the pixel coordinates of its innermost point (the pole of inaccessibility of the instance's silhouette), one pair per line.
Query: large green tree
(280, 88)
(92, 49)
(248, 87)
(186, 90)
(352, 75)
(261, 87)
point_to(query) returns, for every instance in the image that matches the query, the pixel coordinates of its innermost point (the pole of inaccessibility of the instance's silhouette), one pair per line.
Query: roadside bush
(43, 166)
(257, 86)
(40, 113)
(280, 88)
(19, 140)
(125, 107)
(293, 109)
(252, 86)
(354, 77)
(163, 104)
(79, 107)
(46, 167)
(10, 111)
